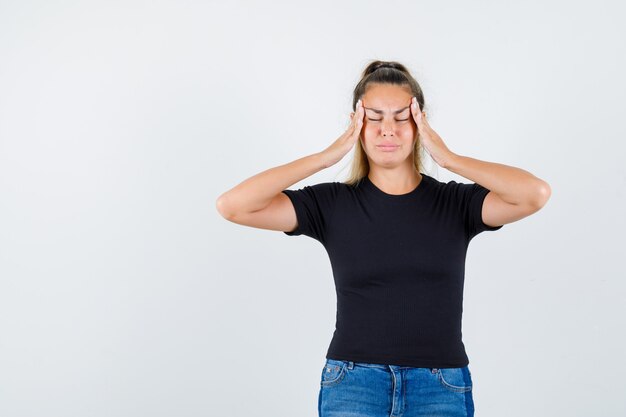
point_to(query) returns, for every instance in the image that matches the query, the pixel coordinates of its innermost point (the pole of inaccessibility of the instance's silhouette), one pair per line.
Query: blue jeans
(374, 390)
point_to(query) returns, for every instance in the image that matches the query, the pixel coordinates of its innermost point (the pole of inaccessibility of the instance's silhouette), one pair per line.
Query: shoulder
(453, 187)
(314, 206)
(458, 194)
(322, 188)
(318, 196)
(329, 187)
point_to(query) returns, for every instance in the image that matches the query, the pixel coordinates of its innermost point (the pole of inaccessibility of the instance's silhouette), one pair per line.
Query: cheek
(409, 131)
(369, 127)
(370, 131)
(409, 124)
(367, 132)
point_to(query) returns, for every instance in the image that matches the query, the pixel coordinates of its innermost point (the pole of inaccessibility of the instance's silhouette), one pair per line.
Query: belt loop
(350, 365)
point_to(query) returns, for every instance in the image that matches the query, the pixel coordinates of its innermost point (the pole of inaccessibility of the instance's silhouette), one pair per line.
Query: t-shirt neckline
(380, 193)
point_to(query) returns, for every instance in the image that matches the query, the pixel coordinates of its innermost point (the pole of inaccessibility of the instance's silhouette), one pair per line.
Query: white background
(123, 292)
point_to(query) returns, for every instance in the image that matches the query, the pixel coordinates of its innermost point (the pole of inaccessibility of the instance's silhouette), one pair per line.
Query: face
(388, 121)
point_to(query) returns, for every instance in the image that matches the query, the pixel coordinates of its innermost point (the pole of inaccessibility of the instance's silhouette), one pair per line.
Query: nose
(387, 129)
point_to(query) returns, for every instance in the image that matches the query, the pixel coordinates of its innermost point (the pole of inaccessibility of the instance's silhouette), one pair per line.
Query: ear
(351, 115)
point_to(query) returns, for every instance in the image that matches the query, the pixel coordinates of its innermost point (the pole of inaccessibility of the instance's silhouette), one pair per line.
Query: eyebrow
(381, 112)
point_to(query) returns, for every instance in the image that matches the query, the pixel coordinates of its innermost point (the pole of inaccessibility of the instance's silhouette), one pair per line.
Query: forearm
(513, 185)
(256, 192)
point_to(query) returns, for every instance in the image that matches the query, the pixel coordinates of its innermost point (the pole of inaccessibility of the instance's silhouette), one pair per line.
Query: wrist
(322, 159)
(451, 161)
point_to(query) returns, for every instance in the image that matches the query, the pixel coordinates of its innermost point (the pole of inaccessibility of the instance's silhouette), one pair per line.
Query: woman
(397, 240)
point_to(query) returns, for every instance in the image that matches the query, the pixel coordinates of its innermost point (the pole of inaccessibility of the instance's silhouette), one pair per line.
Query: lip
(387, 147)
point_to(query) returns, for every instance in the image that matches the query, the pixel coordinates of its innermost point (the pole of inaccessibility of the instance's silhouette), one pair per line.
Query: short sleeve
(314, 205)
(471, 198)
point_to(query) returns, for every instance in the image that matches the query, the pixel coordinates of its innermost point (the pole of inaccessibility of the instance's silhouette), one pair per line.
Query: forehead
(384, 98)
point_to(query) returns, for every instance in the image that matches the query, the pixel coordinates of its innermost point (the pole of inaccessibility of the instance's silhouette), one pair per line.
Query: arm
(259, 202)
(257, 192)
(513, 192)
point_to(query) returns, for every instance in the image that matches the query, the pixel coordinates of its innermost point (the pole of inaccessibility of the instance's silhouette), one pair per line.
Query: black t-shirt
(398, 263)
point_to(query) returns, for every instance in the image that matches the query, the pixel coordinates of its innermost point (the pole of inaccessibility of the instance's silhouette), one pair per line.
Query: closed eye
(378, 120)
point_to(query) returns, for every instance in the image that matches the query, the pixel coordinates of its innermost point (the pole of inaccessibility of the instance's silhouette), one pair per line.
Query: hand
(338, 149)
(429, 138)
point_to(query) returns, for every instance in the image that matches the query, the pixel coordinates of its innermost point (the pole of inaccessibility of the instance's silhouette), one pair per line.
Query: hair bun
(385, 65)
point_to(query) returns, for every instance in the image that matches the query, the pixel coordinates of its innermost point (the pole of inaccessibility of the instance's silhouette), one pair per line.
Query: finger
(414, 106)
(354, 124)
(355, 116)
(356, 108)
(415, 110)
(358, 124)
(359, 112)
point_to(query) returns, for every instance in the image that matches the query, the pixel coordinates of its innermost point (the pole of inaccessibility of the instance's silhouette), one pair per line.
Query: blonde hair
(383, 72)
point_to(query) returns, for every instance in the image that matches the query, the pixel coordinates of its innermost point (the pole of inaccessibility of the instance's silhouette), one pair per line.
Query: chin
(389, 162)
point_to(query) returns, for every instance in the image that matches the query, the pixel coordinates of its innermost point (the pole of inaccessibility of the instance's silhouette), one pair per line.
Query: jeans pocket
(333, 372)
(456, 379)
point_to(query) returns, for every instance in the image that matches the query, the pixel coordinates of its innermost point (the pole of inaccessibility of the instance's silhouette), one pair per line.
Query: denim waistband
(351, 365)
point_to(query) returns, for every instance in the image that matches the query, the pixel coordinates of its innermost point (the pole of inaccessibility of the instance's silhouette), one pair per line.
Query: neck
(395, 181)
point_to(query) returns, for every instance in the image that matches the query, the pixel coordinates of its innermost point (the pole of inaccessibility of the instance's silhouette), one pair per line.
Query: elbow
(542, 195)
(221, 205)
